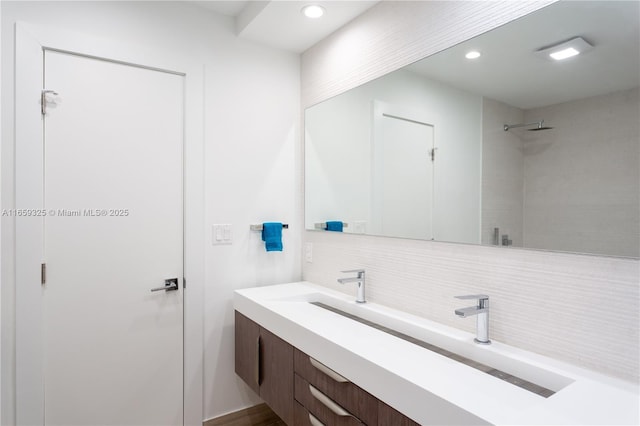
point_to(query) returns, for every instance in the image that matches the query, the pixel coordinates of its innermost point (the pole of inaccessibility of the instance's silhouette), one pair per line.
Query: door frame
(30, 43)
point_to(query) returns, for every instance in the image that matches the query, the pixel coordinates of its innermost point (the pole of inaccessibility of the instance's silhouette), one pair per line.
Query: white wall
(251, 172)
(582, 188)
(339, 155)
(1, 273)
(577, 308)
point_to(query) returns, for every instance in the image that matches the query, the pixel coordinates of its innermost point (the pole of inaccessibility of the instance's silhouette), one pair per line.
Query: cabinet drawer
(304, 418)
(346, 394)
(327, 411)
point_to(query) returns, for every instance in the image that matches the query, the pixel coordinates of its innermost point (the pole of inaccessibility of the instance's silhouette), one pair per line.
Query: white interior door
(403, 185)
(113, 350)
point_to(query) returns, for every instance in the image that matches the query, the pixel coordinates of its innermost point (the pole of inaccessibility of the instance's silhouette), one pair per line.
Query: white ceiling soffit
(227, 8)
(281, 24)
(510, 71)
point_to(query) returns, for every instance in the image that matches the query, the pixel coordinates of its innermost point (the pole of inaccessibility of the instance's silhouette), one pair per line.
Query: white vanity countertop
(426, 386)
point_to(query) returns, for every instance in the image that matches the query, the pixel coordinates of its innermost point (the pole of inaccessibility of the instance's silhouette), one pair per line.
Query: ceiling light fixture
(567, 49)
(474, 54)
(313, 11)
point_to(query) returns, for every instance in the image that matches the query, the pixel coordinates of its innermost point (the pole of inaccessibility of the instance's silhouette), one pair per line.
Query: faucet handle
(473, 297)
(358, 271)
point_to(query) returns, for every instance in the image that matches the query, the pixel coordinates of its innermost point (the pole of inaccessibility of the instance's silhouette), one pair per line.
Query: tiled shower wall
(606, 142)
(578, 308)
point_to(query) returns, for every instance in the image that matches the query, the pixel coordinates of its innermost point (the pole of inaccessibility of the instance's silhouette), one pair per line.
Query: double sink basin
(524, 375)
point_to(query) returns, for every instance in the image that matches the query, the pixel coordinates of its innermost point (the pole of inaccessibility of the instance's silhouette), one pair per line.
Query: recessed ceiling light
(567, 49)
(564, 53)
(472, 55)
(313, 11)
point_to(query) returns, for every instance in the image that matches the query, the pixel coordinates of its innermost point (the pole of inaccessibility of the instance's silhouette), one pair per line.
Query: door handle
(170, 284)
(257, 369)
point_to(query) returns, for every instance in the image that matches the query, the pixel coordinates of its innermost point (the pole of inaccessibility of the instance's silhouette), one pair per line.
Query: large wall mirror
(511, 148)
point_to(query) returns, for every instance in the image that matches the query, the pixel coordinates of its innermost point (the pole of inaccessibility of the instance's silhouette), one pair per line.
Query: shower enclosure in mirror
(510, 148)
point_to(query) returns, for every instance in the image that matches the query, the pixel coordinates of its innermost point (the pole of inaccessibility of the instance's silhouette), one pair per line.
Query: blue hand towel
(334, 225)
(272, 236)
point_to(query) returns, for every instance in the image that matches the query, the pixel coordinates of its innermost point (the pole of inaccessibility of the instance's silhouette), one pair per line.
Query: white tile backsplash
(577, 308)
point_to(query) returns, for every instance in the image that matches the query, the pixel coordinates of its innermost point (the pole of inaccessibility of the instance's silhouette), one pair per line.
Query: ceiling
(510, 71)
(280, 24)
(228, 8)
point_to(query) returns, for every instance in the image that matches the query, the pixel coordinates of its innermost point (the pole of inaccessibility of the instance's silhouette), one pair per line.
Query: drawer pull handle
(326, 370)
(314, 421)
(257, 361)
(327, 402)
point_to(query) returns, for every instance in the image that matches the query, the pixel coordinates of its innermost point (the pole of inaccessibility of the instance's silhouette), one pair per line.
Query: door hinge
(432, 154)
(43, 273)
(44, 100)
(184, 282)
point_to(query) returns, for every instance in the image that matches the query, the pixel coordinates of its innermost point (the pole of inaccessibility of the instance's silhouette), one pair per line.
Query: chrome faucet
(482, 312)
(357, 279)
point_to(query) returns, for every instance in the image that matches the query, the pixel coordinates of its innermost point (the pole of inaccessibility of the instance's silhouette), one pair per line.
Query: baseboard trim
(258, 415)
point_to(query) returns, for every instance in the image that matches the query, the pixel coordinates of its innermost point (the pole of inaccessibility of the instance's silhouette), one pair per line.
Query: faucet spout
(470, 311)
(359, 278)
(481, 311)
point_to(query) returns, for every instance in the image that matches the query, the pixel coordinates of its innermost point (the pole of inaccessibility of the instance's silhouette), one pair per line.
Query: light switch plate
(221, 234)
(360, 227)
(308, 252)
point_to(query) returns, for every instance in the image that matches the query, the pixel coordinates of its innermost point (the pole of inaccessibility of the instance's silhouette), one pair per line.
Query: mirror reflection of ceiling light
(313, 11)
(472, 54)
(567, 49)
(564, 53)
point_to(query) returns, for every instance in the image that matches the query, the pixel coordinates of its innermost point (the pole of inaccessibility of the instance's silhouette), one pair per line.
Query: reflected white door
(405, 189)
(113, 350)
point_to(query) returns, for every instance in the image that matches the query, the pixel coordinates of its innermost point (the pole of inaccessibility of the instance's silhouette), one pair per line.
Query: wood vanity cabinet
(265, 362)
(247, 351)
(301, 390)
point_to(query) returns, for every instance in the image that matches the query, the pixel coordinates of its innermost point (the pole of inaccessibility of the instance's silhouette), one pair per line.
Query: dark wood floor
(259, 415)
